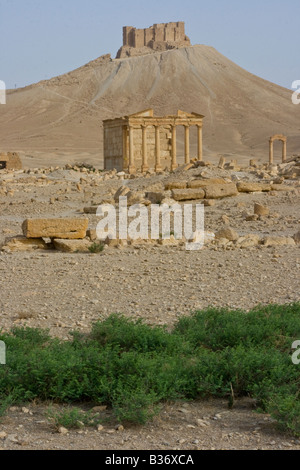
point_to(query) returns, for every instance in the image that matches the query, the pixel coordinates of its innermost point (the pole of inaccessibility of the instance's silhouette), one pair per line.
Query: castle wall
(162, 32)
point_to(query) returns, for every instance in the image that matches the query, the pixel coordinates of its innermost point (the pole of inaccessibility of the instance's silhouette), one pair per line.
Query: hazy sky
(41, 39)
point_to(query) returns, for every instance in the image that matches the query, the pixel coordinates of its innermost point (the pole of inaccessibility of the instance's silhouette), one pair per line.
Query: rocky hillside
(60, 120)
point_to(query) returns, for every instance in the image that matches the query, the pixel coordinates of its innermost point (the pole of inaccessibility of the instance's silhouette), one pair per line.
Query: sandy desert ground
(57, 123)
(66, 291)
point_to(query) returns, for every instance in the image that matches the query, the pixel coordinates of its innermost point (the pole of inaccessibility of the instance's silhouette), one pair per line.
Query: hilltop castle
(159, 37)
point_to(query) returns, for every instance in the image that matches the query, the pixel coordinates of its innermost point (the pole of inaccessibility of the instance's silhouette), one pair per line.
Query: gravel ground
(62, 292)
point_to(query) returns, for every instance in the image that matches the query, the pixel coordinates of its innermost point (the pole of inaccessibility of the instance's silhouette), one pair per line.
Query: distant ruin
(159, 37)
(143, 141)
(271, 151)
(10, 161)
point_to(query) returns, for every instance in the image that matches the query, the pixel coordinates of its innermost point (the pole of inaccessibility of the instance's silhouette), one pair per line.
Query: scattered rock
(261, 210)
(228, 233)
(296, 237)
(62, 430)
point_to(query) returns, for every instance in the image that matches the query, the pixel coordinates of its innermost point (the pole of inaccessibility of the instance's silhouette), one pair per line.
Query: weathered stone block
(244, 187)
(281, 187)
(55, 228)
(248, 241)
(72, 246)
(176, 185)
(24, 244)
(202, 183)
(188, 194)
(218, 191)
(279, 241)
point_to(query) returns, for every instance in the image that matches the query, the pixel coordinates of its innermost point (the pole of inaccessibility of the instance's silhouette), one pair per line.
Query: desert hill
(60, 120)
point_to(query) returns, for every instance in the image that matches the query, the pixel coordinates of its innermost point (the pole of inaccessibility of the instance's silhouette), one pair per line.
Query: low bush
(133, 367)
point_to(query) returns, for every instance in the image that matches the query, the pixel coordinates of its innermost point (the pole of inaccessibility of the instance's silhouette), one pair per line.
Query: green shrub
(72, 418)
(133, 367)
(96, 247)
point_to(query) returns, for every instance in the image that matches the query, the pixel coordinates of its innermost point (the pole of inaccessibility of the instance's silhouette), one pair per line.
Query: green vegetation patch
(133, 367)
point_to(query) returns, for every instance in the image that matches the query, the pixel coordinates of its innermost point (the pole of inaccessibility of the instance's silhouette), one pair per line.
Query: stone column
(174, 164)
(200, 144)
(187, 144)
(145, 165)
(284, 151)
(125, 147)
(131, 168)
(158, 166)
(271, 154)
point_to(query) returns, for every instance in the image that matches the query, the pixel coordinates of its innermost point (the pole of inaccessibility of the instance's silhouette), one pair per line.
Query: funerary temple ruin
(10, 161)
(143, 141)
(159, 37)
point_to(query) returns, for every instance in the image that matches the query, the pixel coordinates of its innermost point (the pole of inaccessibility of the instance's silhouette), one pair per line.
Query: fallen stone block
(72, 246)
(248, 241)
(278, 241)
(281, 187)
(55, 228)
(218, 191)
(227, 233)
(244, 187)
(188, 194)
(202, 183)
(24, 244)
(176, 185)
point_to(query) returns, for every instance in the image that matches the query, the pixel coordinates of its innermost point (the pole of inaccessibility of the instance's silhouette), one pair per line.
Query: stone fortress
(158, 38)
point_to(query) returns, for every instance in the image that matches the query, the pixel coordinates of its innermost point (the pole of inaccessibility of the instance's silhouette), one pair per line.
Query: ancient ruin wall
(10, 161)
(159, 37)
